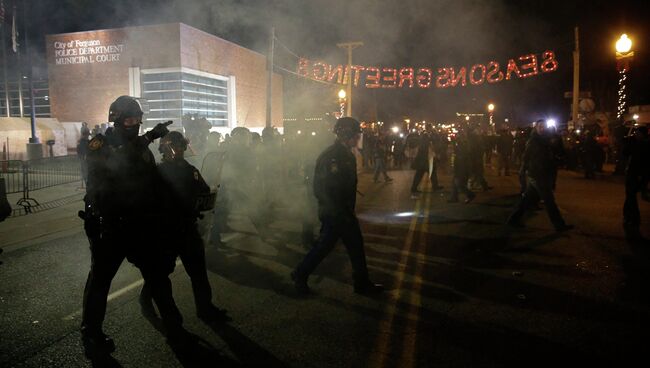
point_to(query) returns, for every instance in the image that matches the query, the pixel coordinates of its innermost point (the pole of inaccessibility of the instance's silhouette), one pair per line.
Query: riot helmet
(124, 107)
(346, 128)
(173, 145)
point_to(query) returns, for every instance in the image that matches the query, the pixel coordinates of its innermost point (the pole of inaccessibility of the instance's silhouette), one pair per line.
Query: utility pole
(269, 83)
(34, 146)
(349, 46)
(4, 72)
(576, 80)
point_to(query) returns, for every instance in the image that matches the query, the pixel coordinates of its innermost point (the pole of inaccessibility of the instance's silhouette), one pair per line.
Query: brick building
(177, 69)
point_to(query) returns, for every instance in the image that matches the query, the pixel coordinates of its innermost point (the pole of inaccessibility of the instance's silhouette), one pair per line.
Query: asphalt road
(462, 288)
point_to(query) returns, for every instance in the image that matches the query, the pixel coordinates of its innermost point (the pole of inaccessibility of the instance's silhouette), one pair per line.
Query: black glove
(159, 131)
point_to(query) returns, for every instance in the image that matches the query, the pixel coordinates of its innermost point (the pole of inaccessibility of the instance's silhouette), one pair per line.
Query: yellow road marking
(386, 325)
(410, 339)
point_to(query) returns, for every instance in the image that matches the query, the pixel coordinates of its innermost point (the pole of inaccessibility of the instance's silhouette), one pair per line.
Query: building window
(174, 92)
(41, 96)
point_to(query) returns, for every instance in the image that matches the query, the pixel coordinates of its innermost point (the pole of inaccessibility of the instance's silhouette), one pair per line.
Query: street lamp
(490, 108)
(624, 54)
(342, 96)
(624, 44)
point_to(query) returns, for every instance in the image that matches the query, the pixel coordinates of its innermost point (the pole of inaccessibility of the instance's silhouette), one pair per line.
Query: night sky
(402, 33)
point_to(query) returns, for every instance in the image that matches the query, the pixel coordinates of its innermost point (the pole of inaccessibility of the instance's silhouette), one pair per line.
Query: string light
(512, 68)
(472, 73)
(493, 68)
(524, 66)
(391, 78)
(373, 77)
(338, 72)
(357, 74)
(406, 74)
(549, 64)
(460, 77)
(443, 74)
(324, 73)
(424, 80)
(532, 65)
(303, 67)
(621, 93)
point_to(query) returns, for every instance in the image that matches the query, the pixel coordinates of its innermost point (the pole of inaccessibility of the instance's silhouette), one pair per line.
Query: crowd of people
(313, 176)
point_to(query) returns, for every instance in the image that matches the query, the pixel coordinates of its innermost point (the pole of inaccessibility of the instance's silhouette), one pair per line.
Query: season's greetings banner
(524, 66)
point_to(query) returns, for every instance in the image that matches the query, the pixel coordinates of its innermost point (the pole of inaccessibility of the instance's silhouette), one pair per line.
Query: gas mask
(128, 133)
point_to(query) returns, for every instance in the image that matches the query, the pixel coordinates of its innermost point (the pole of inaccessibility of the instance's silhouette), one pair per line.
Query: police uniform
(185, 185)
(335, 185)
(122, 220)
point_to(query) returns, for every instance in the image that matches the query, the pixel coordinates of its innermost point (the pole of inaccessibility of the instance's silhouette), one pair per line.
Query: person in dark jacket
(462, 167)
(424, 163)
(504, 150)
(558, 151)
(380, 156)
(477, 150)
(187, 191)
(636, 149)
(589, 155)
(335, 188)
(82, 152)
(124, 218)
(538, 166)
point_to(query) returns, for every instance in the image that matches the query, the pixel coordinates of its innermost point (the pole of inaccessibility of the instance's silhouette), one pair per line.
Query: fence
(31, 175)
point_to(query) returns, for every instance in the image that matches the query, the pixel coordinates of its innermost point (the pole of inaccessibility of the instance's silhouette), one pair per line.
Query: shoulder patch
(334, 167)
(95, 144)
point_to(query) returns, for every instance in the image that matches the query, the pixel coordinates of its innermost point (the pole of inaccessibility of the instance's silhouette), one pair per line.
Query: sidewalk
(55, 216)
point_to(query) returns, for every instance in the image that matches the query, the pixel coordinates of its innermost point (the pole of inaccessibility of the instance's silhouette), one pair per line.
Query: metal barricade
(27, 176)
(12, 172)
(51, 171)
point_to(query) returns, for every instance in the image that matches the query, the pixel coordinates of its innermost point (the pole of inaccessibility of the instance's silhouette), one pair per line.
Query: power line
(303, 76)
(287, 49)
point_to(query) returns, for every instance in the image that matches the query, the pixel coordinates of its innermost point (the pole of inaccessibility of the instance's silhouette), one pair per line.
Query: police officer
(637, 173)
(335, 188)
(187, 193)
(538, 166)
(122, 217)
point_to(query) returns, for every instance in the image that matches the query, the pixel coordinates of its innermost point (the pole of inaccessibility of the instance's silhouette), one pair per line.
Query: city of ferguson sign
(85, 52)
(525, 66)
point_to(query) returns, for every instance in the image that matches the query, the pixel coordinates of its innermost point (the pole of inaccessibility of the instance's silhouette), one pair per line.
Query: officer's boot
(146, 302)
(633, 234)
(363, 285)
(96, 343)
(368, 288)
(300, 283)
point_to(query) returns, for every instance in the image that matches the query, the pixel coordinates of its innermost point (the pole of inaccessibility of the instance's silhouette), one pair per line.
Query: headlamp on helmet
(173, 145)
